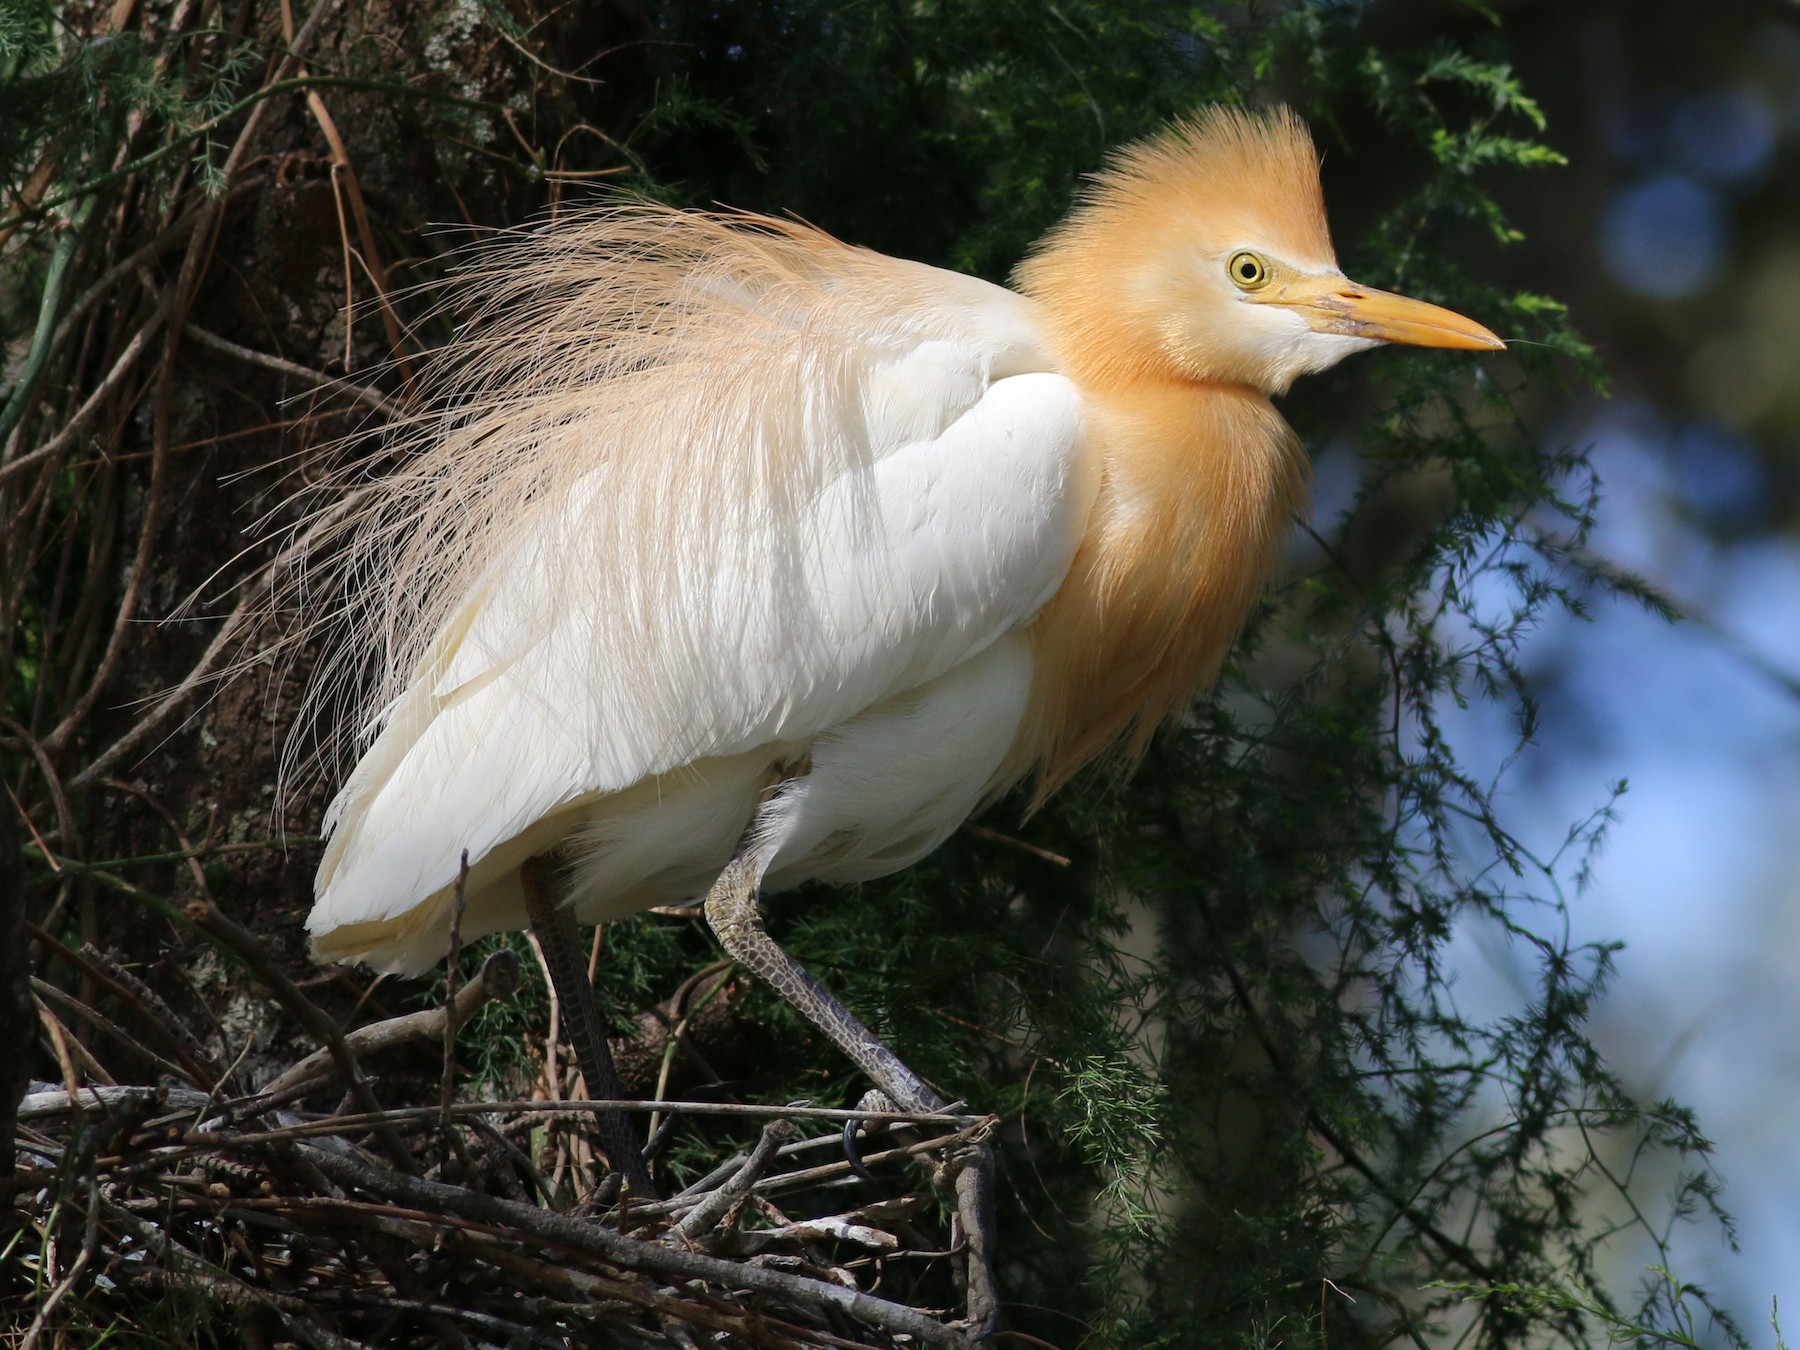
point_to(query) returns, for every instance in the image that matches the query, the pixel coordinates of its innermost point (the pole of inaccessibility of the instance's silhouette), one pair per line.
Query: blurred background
(1674, 234)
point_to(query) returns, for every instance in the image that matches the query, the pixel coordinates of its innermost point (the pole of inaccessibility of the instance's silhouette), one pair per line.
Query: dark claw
(852, 1151)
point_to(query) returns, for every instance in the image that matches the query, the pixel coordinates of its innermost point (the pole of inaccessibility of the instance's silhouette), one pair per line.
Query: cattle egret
(733, 556)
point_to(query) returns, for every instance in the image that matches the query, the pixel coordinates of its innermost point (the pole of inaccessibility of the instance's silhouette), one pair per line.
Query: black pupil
(1247, 270)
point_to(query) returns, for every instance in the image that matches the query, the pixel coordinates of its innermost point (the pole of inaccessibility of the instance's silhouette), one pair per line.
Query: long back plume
(640, 402)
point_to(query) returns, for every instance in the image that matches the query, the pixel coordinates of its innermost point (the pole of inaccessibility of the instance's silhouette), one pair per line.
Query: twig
(90, 1242)
(644, 1257)
(112, 276)
(974, 1187)
(189, 1268)
(678, 1031)
(145, 726)
(372, 264)
(701, 1219)
(1007, 841)
(57, 1101)
(69, 1050)
(64, 866)
(156, 1015)
(497, 978)
(971, 1126)
(360, 393)
(453, 1013)
(38, 355)
(44, 989)
(207, 917)
(91, 404)
(174, 305)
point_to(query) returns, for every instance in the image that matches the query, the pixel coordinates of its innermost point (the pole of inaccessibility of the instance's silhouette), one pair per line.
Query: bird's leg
(736, 920)
(556, 934)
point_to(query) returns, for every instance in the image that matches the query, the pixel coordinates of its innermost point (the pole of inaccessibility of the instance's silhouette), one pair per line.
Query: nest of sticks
(195, 1216)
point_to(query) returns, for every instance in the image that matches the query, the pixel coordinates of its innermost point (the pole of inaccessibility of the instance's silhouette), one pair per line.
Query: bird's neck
(1198, 483)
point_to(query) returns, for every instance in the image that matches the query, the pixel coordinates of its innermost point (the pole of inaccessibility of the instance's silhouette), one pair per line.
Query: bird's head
(1202, 254)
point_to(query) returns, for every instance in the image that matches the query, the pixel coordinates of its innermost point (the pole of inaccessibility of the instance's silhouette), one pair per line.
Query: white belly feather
(883, 789)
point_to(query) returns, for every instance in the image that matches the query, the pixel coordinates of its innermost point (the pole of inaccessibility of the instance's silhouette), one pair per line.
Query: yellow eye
(1249, 271)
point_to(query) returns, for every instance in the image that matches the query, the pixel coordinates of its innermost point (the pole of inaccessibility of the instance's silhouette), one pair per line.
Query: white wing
(587, 660)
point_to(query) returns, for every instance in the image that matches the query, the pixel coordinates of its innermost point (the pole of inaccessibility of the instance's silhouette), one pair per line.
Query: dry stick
(211, 920)
(974, 1186)
(85, 413)
(102, 286)
(360, 393)
(32, 192)
(1007, 841)
(64, 866)
(482, 1245)
(646, 1258)
(66, 823)
(90, 1242)
(57, 1101)
(677, 1030)
(100, 495)
(372, 264)
(968, 1127)
(151, 1010)
(701, 1219)
(518, 1169)
(180, 296)
(143, 727)
(44, 989)
(453, 1014)
(196, 1141)
(207, 222)
(138, 570)
(149, 1006)
(66, 1046)
(218, 1282)
(784, 1181)
(484, 1242)
(182, 841)
(496, 979)
(53, 784)
(229, 631)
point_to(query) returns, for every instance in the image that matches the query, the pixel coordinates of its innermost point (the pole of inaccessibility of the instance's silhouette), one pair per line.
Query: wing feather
(641, 563)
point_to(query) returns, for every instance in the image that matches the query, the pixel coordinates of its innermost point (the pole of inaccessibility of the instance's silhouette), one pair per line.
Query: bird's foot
(970, 1171)
(967, 1171)
(874, 1100)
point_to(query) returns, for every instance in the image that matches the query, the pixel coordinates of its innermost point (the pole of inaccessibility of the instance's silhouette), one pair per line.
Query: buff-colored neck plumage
(1200, 474)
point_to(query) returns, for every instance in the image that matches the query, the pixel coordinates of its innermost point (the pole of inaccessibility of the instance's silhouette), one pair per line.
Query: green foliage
(1226, 1040)
(1689, 1318)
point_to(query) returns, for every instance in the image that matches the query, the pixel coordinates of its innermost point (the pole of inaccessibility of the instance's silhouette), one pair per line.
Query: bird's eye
(1249, 271)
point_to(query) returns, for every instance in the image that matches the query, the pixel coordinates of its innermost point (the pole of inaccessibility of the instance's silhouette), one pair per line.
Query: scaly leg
(556, 934)
(736, 920)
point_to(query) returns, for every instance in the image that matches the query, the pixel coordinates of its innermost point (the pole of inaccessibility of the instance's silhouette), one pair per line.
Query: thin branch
(207, 917)
(646, 1258)
(703, 1217)
(498, 978)
(360, 393)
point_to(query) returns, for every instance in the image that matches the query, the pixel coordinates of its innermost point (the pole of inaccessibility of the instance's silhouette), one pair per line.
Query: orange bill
(1332, 304)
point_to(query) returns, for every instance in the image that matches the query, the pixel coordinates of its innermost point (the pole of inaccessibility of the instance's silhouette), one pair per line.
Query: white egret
(736, 556)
